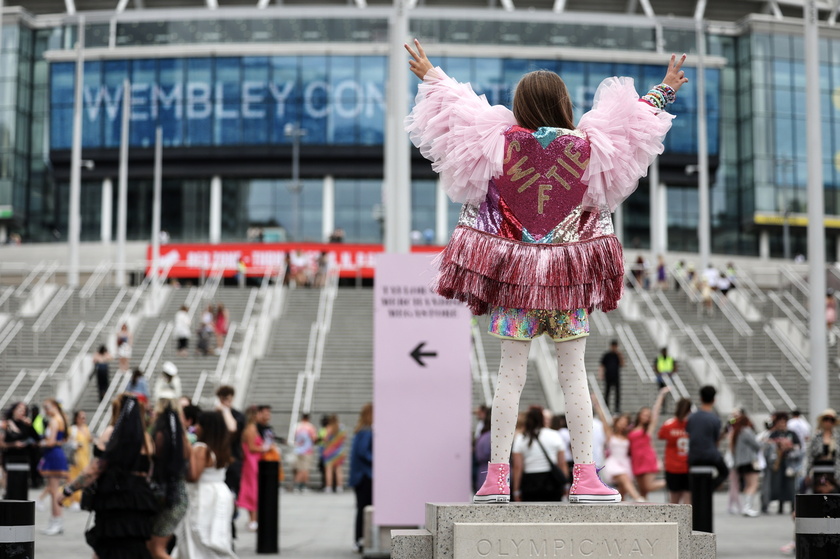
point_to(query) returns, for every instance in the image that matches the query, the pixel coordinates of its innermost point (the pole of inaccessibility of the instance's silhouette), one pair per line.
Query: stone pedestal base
(553, 530)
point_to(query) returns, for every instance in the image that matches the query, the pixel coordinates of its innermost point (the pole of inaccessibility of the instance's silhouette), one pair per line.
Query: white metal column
(618, 223)
(663, 220)
(107, 211)
(704, 233)
(818, 397)
(441, 215)
(397, 187)
(216, 210)
(764, 245)
(655, 210)
(328, 207)
(156, 203)
(122, 192)
(74, 219)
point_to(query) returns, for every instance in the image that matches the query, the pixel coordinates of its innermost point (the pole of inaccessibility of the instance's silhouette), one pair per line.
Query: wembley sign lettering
(198, 100)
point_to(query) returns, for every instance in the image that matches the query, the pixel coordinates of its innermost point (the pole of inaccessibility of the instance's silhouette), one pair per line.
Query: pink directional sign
(421, 393)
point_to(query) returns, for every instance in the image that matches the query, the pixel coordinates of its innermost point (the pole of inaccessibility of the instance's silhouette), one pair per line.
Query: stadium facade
(230, 88)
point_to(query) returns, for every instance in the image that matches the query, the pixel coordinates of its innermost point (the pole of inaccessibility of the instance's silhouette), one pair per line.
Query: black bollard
(17, 477)
(268, 507)
(818, 526)
(700, 482)
(17, 529)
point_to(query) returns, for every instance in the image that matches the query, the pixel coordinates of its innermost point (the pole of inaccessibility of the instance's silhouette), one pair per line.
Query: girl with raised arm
(535, 246)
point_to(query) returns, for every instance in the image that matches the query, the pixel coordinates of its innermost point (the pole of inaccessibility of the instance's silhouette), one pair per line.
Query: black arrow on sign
(418, 352)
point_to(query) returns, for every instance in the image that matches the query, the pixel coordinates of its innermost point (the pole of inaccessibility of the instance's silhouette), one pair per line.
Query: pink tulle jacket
(535, 230)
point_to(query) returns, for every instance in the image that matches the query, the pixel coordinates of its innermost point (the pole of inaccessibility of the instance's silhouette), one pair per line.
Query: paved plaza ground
(320, 526)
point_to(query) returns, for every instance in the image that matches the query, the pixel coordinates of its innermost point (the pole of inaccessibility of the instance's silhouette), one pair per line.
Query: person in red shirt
(676, 454)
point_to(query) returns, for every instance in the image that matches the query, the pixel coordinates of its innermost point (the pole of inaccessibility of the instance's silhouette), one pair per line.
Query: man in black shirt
(704, 430)
(610, 370)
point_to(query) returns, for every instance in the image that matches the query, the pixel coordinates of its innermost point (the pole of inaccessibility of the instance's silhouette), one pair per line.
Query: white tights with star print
(571, 372)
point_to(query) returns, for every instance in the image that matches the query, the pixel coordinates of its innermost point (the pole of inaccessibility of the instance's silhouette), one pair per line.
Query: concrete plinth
(553, 530)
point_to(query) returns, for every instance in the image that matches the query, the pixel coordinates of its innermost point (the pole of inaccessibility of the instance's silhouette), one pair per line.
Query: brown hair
(365, 417)
(542, 99)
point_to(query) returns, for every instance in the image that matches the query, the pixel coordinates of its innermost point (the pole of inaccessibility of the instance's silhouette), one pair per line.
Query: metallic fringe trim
(487, 271)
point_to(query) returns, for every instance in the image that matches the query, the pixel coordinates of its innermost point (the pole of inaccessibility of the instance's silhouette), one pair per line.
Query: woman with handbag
(539, 468)
(122, 498)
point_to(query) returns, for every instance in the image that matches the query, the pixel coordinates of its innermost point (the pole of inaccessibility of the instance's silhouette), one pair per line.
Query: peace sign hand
(420, 65)
(675, 76)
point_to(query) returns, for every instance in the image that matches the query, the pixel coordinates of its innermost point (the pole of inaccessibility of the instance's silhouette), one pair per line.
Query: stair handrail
(329, 293)
(150, 349)
(52, 309)
(219, 375)
(6, 295)
(789, 314)
(794, 279)
(97, 423)
(744, 279)
(634, 352)
(102, 270)
(199, 387)
(736, 370)
(46, 275)
(47, 373)
(11, 390)
(161, 345)
(24, 285)
(97, 331)
(481, 362)
(771, 378)
(796, 305)
(7, 335)
(734, 317)
(687, 286)
(794, 357)
(545, 360)
(135, 297)
(760, 393)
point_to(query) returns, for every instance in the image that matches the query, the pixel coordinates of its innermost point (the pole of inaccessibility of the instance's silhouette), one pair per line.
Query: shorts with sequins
(525, 324)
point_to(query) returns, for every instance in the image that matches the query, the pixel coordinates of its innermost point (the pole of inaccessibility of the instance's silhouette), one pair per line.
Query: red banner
(195, 260)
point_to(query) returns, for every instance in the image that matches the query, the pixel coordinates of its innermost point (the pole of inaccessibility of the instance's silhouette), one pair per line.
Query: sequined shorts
(524, 324)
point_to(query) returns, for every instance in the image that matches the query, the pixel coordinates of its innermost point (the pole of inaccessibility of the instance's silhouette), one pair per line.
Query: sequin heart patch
(541, 181)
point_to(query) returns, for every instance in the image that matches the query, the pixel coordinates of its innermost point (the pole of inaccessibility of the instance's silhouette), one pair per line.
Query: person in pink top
(535, 246)
(252, 449)
(642, 454)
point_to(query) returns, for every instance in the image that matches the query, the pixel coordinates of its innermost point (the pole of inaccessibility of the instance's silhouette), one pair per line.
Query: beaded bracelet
(660, 96)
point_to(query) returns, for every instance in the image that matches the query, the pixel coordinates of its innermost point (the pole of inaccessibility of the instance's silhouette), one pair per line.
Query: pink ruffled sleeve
(461, 133)
(625, 136)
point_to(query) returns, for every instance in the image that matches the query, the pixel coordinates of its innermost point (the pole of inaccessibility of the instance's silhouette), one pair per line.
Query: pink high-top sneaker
(495, 488)
(587, 487)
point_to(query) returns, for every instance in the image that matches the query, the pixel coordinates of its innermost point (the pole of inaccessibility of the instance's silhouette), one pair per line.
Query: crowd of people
(763, 465)
(165, 477)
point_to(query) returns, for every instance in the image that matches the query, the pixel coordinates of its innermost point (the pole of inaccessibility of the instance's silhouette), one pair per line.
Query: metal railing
(219, 375)
(781, 392)
(11, 390)
(736, 370)
(74, 379)
(795, 358)
(199, 387)
(48, 315)
(305, 387)
(7, 335)
(6, 295)
(27, 281)
(759, 393)
(480, 363)
(733, 316)
(745, 281)
(97, 423)
(94, 280)
(257, 333)
(634, 352)
(56, 363)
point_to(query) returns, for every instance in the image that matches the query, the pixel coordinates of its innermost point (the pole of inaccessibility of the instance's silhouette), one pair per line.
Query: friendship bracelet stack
(660, 96)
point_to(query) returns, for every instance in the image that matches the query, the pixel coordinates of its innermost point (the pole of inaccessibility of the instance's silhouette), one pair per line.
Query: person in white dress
(205, 532)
